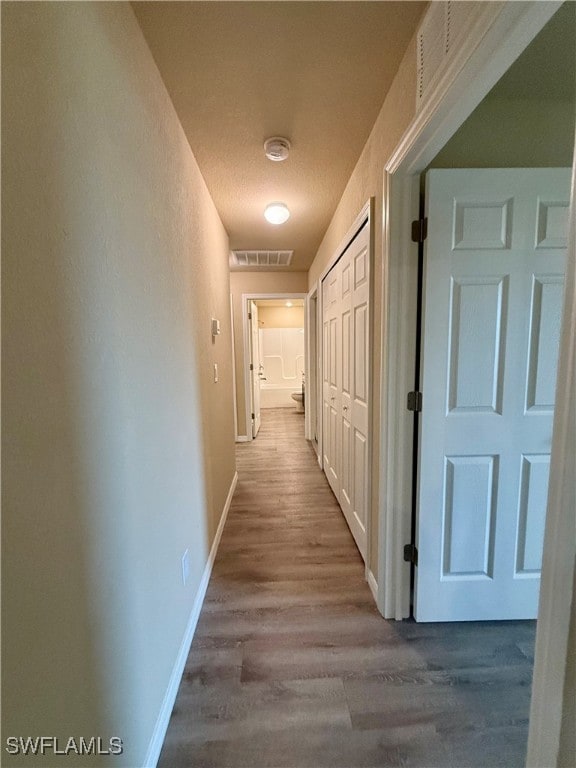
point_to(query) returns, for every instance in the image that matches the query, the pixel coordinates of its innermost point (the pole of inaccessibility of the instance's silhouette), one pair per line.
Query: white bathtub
(277, 397)
(282, 357)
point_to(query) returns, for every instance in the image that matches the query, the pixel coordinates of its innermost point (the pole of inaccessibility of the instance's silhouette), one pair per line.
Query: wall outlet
(185, 567)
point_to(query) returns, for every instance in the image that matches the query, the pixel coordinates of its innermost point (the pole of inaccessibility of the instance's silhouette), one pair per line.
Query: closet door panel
(332, 380)
(346, 383)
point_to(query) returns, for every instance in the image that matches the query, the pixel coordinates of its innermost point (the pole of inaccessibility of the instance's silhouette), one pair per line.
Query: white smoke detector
(277, 148)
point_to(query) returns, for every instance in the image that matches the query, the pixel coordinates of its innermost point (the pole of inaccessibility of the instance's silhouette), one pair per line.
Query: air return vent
(441, 34)
(262, 259)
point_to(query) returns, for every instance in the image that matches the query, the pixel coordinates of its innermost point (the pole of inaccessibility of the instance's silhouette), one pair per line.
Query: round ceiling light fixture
(277, 148)
(276, 213)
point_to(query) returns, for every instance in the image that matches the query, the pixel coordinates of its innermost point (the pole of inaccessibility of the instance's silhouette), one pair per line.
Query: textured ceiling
(240, 72)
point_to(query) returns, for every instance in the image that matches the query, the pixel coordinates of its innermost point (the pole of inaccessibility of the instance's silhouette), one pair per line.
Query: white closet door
(331, 380)
(346, 383)
(493, 296)
(355, 384)
(346, 496)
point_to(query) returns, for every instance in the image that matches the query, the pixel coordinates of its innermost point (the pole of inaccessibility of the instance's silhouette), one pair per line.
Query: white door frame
(558, 580)
(246, 299)
(311, 344)
(490, 47)
(234, 368)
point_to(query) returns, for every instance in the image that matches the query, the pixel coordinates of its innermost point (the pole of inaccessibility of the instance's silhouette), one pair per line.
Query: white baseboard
(373, 584)
(161, 726)
(242, 439)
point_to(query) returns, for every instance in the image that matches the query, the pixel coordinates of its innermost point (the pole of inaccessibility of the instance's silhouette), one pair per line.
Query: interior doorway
(534, 130)
(274, 330)
(455, 99)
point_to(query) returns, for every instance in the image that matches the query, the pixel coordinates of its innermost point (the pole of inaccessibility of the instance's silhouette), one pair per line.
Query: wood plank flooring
(293, 667)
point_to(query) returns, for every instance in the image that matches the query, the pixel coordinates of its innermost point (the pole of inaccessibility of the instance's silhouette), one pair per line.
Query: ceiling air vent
(260, 259)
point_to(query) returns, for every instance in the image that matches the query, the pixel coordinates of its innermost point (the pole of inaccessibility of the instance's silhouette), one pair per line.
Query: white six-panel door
(494, 262)
(346, 383)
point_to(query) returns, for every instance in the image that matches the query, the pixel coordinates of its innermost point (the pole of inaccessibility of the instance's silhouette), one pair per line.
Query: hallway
(292, 665)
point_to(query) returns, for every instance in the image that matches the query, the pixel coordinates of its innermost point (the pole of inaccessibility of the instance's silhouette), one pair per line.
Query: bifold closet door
(346, 382)
(355, 390)
(331, 379)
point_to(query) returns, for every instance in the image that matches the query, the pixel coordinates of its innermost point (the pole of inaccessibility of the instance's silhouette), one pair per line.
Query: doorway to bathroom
(274, 351)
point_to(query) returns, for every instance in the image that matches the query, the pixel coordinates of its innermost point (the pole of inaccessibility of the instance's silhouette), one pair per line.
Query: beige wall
(512, 134)
(118, 447)
(367, 178)
(288, 283)
(281, 317)
(367, 181)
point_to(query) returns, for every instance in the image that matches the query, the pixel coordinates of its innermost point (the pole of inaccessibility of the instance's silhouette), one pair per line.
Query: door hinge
(253, 415)
(414, 401)
(251, 367)
(249, 315)
(411, 554)
(419, 230)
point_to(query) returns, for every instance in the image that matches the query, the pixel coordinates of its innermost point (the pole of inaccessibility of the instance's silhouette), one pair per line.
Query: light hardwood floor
(293, 667)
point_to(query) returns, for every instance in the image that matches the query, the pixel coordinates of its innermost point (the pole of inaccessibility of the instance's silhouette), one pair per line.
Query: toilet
(298, 397)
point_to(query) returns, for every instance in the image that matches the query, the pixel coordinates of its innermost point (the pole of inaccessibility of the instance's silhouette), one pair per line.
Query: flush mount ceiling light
(277, 148)
(276, 213)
